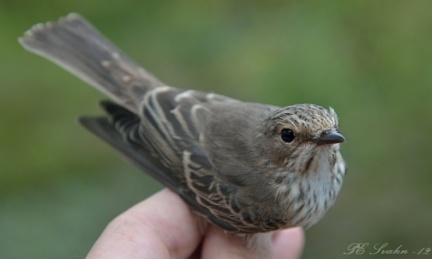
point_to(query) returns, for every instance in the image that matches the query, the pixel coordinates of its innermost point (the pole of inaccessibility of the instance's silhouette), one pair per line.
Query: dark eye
(287, 135)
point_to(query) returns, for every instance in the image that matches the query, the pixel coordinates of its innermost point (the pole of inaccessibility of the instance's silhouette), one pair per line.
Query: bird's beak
(329, 137)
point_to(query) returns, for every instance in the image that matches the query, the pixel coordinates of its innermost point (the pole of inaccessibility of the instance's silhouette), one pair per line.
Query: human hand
(163, 226)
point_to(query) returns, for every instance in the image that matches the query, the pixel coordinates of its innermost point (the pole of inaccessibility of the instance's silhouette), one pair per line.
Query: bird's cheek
(281, 155)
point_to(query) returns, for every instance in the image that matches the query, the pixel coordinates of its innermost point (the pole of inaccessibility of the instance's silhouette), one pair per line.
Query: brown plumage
(248, 168)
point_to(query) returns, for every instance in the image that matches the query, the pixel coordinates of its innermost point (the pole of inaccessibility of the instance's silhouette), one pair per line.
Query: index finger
(161, 226)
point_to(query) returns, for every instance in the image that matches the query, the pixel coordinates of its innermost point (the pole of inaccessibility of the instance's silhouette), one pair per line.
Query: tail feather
(74, 44)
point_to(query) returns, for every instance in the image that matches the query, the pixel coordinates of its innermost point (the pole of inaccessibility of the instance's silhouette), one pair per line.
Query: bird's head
(298, 134)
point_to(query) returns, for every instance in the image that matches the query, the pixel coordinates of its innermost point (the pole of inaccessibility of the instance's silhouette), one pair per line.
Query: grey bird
(246, 167)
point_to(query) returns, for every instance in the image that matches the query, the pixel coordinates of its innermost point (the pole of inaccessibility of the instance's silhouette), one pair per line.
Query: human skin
(163, 226)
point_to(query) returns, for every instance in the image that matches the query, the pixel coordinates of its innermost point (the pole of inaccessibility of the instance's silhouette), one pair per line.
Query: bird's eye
(287, 135)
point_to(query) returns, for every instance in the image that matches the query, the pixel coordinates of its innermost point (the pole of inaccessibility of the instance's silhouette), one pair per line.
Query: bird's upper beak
(329, 137)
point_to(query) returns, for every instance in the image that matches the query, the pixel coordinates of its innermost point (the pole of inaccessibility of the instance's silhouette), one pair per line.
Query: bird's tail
(74, 44)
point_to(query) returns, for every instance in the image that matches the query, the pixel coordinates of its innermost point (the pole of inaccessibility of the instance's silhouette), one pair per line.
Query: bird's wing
(173, 128)
(164, 141)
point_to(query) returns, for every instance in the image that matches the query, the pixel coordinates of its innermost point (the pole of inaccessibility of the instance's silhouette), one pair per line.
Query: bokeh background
(370, 60)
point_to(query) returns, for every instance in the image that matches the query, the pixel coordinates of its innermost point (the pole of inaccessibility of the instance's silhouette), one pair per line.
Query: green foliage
(371, 61)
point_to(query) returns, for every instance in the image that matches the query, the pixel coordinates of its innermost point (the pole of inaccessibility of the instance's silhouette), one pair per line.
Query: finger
(162, 226)
(218, 244)
(289, 243)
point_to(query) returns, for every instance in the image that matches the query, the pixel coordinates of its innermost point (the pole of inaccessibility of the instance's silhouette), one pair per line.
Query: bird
(248, 168)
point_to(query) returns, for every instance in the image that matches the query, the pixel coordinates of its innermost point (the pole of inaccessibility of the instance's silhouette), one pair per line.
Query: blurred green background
(370, 60)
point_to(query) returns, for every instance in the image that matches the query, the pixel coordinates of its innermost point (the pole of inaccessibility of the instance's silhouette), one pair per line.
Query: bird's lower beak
(329, 137)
